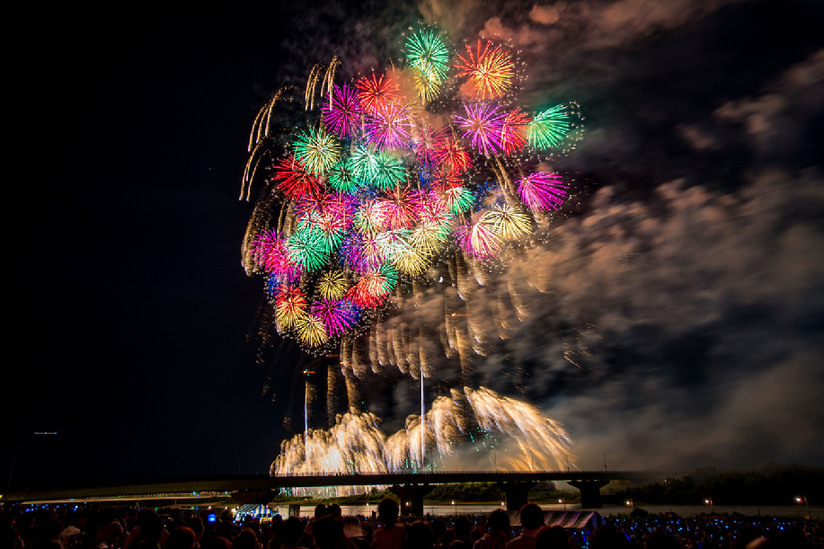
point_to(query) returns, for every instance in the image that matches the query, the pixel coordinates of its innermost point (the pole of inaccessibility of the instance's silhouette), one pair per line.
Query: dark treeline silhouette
(770, 485)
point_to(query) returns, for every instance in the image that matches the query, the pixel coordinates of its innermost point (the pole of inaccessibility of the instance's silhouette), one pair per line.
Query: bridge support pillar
(516, 493)
(590, 492)
(411, 497)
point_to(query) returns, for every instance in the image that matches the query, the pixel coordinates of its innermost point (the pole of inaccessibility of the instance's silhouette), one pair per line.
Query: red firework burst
(376, 90)
(295, 181)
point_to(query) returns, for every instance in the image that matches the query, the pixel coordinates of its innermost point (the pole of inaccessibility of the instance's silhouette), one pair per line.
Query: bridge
(411, 488)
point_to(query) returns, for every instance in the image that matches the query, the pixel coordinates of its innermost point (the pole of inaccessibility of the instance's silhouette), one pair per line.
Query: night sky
(687, 279)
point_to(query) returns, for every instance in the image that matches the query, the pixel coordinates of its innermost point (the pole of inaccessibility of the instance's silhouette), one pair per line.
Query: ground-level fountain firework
(387, 208)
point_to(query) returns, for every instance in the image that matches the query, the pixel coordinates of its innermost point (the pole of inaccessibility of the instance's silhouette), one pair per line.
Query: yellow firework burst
(311, 330)
(507, 221)
(332, 285)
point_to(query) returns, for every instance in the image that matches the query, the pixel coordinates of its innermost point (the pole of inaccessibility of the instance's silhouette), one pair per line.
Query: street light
(709, 502)
(631, 504)
(454, 509)
(803, 499)
(562, 502)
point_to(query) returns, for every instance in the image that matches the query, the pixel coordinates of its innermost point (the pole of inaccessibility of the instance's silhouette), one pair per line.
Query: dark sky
(692, 277)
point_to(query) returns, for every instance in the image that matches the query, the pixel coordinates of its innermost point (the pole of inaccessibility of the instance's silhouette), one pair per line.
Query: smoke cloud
(673, 316)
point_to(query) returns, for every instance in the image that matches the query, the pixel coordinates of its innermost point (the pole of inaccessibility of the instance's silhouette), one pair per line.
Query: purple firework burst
(337, 314)
(542, 190)
(343, 112)
(483, 124)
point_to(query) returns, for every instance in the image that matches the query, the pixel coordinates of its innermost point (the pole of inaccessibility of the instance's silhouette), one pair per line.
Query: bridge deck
(182, 488)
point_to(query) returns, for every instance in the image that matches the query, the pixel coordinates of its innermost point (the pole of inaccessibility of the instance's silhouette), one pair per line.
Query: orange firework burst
(490, 70)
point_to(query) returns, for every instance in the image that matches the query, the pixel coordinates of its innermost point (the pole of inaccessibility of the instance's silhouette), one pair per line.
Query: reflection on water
(442, 510)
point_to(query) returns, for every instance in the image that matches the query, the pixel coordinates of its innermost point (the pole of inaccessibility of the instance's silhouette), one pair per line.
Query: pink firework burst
(478, 240)
(388, 126)
(400, 208)
(432, 209)
(360, 253)
(331, 209)
(542, 190)
(269, 252)
(337, 314)
(352, 254)
(426, 145)
(513, 131)
(294, 180)
(342, 112)
(482, 124)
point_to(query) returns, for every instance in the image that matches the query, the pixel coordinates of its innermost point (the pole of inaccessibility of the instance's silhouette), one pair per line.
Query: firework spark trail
(357, 444)
(383, 191)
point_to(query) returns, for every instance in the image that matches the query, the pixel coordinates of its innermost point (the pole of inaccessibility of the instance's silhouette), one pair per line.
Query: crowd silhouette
(101, 527)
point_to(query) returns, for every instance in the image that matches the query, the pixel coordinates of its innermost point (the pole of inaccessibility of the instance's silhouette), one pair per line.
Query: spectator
(181, 537)
(553, 537)
(532, 518)
(662, 540)
(246, 539)
(419, 535)
(608, 537)
(497, 531)
(390, 534)
(328, 534)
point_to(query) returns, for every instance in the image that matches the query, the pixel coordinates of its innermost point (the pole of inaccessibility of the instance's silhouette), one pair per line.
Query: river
(681, 510)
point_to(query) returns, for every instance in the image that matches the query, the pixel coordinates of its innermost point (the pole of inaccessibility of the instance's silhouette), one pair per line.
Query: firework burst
(317, 151)
(337, 315)
(483, 124)
(343, 111)
(311, 330)
(542, 190)
(403, 186)
(332, 284)
(549, 128)
(490, 70)
(514, 131)
(389, 125)
(428, 55)
(290, 306)
(294, 180)
(376, 90)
